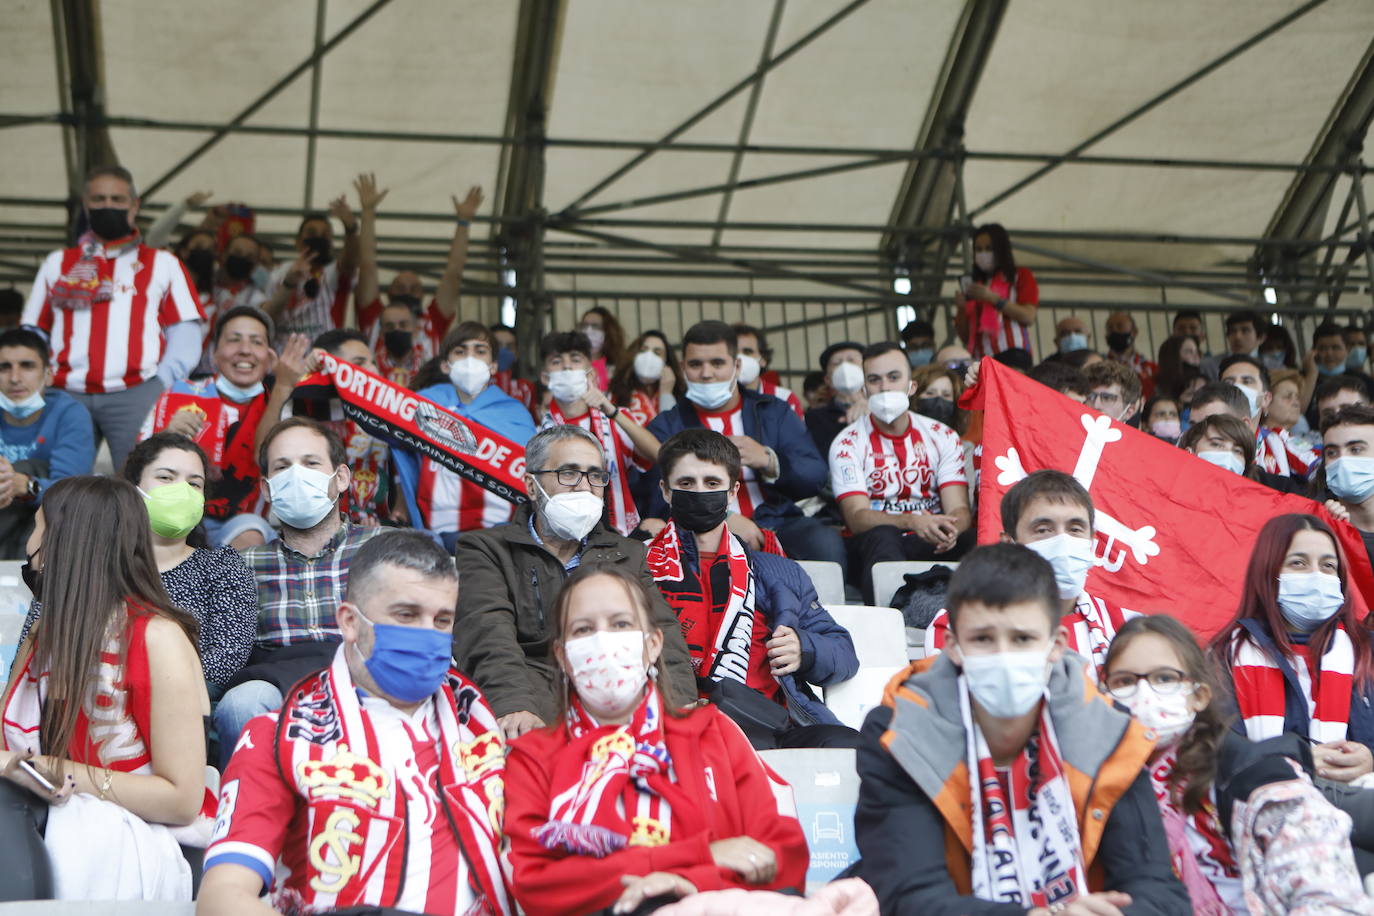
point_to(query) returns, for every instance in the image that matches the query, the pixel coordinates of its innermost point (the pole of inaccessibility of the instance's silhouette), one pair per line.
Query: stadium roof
(1166, 152)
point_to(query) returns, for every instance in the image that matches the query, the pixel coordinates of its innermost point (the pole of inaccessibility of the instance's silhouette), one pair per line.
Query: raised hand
(368, 195)
(340, 210)
(467, 208)
(198, 198)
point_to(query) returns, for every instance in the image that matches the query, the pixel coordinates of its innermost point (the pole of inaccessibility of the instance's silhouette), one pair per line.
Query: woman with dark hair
(650, 379)
(212, 584)
(1224, 441)
(1247, 831)
(937, 395)
(1177, 355)
(997, 302)
(628, 800)
(1277, 350)
(118, 741)
(608, 342)
(1296, 652)
(1160, 418)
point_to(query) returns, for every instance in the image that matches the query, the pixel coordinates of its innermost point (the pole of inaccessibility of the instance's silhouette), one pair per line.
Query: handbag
(756, 715)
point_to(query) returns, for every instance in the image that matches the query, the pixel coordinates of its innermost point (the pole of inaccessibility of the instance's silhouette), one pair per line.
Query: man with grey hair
(122, 319)
(512, 574)
(409, 743)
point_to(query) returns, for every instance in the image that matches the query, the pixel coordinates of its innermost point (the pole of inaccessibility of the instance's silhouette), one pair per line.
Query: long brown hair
(96, 556)
(613, 349)
(624, 383)
(1196, 766)
(671, 703)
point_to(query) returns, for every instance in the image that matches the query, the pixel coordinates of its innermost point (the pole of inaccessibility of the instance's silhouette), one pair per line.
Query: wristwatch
(32, 488)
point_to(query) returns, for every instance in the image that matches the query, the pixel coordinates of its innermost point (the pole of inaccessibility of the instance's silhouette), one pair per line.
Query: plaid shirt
(298, 595)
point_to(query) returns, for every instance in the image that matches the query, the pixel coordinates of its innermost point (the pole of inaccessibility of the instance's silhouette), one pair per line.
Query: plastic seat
(825, 786)
(827, 578)
(890, 575)
(879, 633)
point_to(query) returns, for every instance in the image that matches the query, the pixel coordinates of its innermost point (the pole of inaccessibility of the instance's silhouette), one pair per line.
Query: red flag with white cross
(1174, 533)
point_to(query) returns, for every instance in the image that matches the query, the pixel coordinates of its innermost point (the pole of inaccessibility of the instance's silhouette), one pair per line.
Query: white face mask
(570, 515)
(1167, 715)
(710, 395)
(469, 375)
(749, 369)
(1253, 397)
(300, 496)
(1007, 684)
(888, 405)
(1072, 558)
(595, 336)
(567, 385)
(648, 366)
(984, 261)
(1308, 600)
(847, 377)
(1228, 460)
(25, 408)
(607, 669)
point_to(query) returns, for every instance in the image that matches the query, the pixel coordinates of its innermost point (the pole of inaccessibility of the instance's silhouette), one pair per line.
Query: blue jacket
(493, 408)
(784, 595)
(770, 422)
(1295, 717)
(63, 437)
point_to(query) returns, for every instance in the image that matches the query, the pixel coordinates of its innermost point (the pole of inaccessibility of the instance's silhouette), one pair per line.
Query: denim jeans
(236, 707)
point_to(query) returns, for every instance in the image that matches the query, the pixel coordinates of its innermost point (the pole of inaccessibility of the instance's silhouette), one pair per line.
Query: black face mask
(319, 246)
(1119, 341)
(406, 299)
(109, 223)
(32, 576)
(700, 510)
(938, 409)
(239, 267)
(201, 263)
(312, 288)
(397, 343)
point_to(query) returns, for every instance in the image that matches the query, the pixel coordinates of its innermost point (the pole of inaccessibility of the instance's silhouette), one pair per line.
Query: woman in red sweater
(630, 801)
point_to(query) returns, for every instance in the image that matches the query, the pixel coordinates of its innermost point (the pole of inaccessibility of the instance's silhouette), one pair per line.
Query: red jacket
(745, 802)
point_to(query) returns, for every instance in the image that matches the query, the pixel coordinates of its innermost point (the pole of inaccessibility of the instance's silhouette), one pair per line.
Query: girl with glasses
(1247, 831)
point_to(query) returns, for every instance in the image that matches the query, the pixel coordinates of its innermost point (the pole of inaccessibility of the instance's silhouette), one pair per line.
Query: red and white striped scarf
(620, 794)
(1201, 854)
(624, 515)
(718, 631)
(1026, 847)
(83, 285)
(329, 751)
(1261, 692)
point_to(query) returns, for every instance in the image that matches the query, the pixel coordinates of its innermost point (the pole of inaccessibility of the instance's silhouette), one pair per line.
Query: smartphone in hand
(37, 776)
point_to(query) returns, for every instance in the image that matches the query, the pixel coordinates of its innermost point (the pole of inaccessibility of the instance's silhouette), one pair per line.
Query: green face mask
(174, 509)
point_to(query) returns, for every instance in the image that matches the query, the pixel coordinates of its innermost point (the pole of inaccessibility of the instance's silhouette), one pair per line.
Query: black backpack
(922, 596)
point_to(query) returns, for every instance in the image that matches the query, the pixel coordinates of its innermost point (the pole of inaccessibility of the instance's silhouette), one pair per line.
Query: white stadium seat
(890, 575)
(851, 700)
(878, 632)
(825, 787)
(827, 578)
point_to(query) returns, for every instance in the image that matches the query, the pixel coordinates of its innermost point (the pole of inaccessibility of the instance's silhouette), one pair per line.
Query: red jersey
(989, 331)
(783, 394)
(731, 423)
(517, 388)
(116, 343)
(897, 474)
(427, 340)
(620, 454)
(642, 408)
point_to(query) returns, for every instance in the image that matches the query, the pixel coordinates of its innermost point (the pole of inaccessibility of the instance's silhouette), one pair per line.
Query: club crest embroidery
(345, 775)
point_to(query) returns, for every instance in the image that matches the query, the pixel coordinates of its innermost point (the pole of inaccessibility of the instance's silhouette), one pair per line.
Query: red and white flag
(1174, 533)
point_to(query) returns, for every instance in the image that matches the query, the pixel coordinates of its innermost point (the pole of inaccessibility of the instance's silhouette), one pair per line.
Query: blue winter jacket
(770, 422)
(785, 596)
(493, 408)
(63, 437)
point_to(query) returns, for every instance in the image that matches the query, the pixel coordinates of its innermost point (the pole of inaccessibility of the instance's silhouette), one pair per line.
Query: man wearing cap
(842, 364)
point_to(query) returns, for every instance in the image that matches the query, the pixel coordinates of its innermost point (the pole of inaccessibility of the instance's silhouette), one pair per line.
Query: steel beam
(272, 92)
(1151, 103)
(519, 199)
(927, 194)
(76, 32)
(716, 103)
(312, 137)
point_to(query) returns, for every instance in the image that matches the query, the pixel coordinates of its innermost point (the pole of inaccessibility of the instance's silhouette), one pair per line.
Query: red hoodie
(713, 762)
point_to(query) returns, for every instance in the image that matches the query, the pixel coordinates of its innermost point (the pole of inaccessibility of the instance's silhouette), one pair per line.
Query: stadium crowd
(339, 669)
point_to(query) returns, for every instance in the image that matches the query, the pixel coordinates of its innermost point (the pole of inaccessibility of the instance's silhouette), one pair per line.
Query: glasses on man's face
(1165, 681)
(571, 477)
(1105, 398)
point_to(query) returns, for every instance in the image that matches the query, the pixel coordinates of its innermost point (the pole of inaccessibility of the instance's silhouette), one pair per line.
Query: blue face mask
(1355, 361)
(505, 359)
(1227, 459)
(1351, 478)
(921, 357)
(1332, 370)
(25, 408)
(1308, 600)
(261, 277)
(234, 392)
(407, 663)
(1073, 341)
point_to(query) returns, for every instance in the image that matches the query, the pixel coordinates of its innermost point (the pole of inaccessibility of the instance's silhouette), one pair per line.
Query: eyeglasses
(571, 477)
(1165, 681)
(1103, 397)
